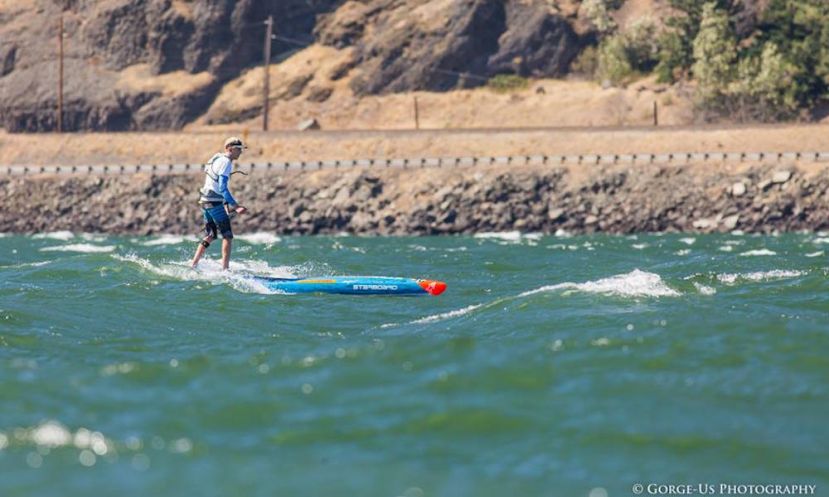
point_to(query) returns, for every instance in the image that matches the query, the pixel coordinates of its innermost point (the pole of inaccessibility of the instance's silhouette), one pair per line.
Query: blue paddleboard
(354, 285)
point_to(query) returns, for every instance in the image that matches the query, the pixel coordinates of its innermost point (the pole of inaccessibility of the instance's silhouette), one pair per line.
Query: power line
(456, 73)
(293, 41)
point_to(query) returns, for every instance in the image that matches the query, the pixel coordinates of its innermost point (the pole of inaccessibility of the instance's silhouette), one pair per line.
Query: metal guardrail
(514, 160)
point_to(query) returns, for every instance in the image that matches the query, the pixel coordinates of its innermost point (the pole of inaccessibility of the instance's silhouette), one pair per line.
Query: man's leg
(226, 246)
(200, 250)
(223, 224)
(210, 235)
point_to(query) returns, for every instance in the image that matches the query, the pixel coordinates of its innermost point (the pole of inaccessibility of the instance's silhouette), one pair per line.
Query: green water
(550, 367)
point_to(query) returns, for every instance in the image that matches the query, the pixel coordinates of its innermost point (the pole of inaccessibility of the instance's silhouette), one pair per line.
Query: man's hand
(240, 210)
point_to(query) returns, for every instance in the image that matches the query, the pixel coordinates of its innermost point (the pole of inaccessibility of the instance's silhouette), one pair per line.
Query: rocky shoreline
(574, 199)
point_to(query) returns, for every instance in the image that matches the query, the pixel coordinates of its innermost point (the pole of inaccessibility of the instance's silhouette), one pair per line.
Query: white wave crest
(637, 283)
(509, 237)
(94, 237)
(55, 235)
(704, 289)
(260, 238)
(173, 271)
(27, 264)
(634, 284)
(260, 268)
(85, 248)
(168, 240)
(210, 270)
(447, 315)
(777, 274)
(758, 252)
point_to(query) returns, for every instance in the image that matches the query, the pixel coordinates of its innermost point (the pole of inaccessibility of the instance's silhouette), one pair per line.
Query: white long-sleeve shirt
(217, 175)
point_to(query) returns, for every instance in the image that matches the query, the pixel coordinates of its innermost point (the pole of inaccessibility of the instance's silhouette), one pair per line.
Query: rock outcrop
(217, 37)
(439, 45)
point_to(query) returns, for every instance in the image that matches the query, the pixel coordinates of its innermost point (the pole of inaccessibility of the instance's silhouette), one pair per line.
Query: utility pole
(416, 114)
(60, 75)
(267, 85)
(655, 113)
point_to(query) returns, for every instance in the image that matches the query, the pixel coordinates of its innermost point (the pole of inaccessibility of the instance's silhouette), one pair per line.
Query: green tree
(613, 65)
(800, 30)
(715, 57)
(676, 42)
(598, 13)
(774, 94)
(771, 69)
(627, 54)
(763, 89)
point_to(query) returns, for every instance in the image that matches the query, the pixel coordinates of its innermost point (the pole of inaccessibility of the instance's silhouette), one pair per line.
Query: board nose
(432, 286)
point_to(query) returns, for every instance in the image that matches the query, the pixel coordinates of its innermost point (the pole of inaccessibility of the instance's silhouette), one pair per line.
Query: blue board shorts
(216, 220)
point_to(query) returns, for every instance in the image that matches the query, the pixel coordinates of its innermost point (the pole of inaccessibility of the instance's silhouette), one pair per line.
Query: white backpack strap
(208, 168)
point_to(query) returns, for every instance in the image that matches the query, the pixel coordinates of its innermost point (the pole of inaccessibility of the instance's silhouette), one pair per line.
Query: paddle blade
(432, 286)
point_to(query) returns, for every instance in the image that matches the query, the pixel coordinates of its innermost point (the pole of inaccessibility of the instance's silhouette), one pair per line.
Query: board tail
(432, 286)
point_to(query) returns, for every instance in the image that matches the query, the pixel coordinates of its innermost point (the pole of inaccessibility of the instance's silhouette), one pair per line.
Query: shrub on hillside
(763, 89)
(628, 54)
(505, 83)
(598, 13)
(586, 63)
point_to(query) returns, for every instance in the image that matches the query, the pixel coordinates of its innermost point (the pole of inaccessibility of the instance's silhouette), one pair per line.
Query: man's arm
(223, 190)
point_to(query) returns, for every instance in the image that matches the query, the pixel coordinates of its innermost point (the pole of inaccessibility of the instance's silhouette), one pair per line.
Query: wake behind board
(354, 285)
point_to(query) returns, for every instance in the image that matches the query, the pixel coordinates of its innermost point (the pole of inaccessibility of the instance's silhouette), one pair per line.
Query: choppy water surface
(552, 366)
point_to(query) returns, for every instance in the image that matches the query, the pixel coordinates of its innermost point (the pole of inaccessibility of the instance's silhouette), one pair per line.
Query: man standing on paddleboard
(217, 202)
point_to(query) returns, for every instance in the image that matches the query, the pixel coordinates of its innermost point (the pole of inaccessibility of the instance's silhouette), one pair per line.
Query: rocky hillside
(160, 64)
(441, 45)
(133, 64)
